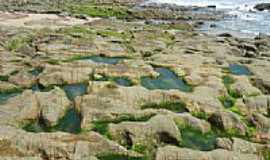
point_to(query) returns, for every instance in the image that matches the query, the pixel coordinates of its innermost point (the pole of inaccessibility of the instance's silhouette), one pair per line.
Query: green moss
(79, 32)
(233, 132)
(17, 42)
(147, 151)
(11, 91)
(114, 33)
(4, 78)
(101, 11)
(174, 106)
(228, 80)
(53, 62)
(113, 156)
(233, 93)
(112, 85)
(195, 139)
(33, 126)
(200, 115)
(102, 125)
(14, 72)
(235, 109)
(140, 148)
(266, 154)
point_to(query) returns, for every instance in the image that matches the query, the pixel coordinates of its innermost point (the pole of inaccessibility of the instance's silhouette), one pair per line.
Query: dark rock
(213, 25)
(262, 6)
(225, 35)
(212, 6)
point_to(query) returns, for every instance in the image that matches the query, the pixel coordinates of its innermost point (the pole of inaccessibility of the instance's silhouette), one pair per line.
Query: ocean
(241, 18)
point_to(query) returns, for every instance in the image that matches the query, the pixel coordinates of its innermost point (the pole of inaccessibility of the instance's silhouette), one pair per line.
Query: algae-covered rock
(159, 129)
(229, 122)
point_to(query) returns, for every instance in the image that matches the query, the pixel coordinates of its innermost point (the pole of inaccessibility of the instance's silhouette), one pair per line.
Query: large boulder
(239, 145)
(53, 105)
(175, 153)
(261, 122)
(30, 106)
(65, 74)
(261, 70)
(187, 120)
(207, 104)
(262, 6)
(159, 129)
(23, 79)
(243, 87)
(108, 102)
(257, 104)
(20, 109)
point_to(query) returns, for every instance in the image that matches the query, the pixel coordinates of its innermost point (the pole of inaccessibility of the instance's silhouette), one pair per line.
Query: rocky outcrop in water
(262, 6)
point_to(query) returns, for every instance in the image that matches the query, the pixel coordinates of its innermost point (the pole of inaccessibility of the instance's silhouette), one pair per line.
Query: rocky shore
(122, 80)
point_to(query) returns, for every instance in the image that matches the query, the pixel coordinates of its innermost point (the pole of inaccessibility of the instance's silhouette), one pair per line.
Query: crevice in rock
(127, 139)
(166, 138)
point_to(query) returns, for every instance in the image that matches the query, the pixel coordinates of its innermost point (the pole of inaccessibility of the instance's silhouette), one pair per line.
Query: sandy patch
(36, 21)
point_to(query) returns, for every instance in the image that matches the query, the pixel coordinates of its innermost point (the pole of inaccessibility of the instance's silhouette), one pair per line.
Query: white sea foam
(243, 17)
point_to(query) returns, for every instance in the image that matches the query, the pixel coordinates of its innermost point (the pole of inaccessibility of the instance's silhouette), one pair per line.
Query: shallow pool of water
(237, 69)
(70, 123)
(5, 96)
(123, 81)
(74, 90)
(166, 80)
(103, 59)
(36, 71)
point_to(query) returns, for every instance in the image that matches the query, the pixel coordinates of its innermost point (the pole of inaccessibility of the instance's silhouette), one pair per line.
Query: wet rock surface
(132, 81)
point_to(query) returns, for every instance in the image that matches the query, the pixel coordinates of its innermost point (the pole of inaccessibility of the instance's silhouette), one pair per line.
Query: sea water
(241, 18)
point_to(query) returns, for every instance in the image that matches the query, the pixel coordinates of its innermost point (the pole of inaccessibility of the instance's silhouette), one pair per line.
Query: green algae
(114, 156)
(17, 42)
(101, 126)
(4, 78)
(100, 11)
(194, 139)
(200, 115)
(228, 80)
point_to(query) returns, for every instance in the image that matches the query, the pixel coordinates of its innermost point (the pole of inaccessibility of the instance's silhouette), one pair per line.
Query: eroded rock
(175, 153)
